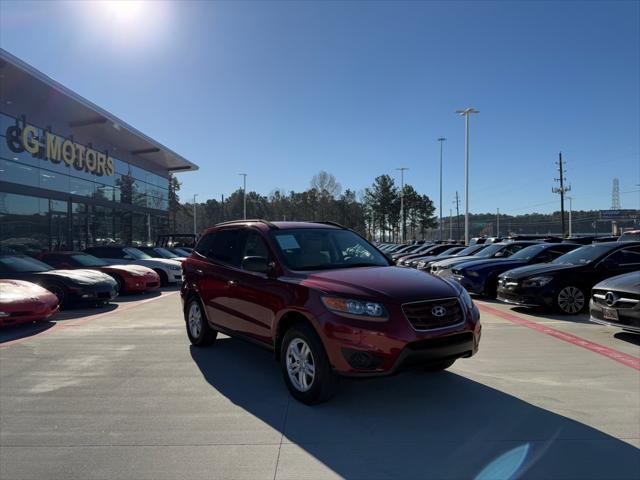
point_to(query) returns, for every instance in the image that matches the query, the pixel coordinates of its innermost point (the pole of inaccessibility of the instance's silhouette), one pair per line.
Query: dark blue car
(481, 276)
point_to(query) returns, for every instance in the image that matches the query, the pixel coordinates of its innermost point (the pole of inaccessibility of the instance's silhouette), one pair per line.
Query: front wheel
(305, 366)
(198, 329)
(570, 300)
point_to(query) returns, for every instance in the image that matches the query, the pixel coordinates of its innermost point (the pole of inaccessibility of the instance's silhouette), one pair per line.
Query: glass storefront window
(54, 181)
(18, 173)
(24, 223)
(81, 187)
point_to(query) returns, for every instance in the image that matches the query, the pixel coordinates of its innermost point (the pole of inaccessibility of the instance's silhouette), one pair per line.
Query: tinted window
(19, 264)
(204, 245)
(626, 256)
(255, 246)
(584, 255)
(225, 247)
(88, 260)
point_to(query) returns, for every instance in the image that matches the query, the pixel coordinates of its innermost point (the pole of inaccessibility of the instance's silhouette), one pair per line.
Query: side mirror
(256, 264)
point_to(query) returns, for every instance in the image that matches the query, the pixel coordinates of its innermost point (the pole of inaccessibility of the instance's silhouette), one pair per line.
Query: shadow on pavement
(582, 318)
(628, 337)
(413, 425)
(17, 332)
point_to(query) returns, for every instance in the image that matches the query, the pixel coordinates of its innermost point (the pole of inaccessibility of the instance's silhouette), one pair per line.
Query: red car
(24, 302)
(326, 301)
(130, 278)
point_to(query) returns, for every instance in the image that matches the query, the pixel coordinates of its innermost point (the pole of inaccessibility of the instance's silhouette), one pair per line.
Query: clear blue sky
(283, 90)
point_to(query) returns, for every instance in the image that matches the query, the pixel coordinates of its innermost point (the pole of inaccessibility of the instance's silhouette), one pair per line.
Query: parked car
(326, 301)
(616, 302)
(130, 278)
(161, 252)
(424, 263)
(72, 287)
(409, 249)
(427, 250)
(565, 283)
(25, 302)
(169, 271)
(181, 251)
(444, 268)
(413, 260)
(481, 276)
(630, 236)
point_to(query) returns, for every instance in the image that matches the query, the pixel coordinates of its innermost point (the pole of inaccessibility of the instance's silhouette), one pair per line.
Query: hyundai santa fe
(326, 301)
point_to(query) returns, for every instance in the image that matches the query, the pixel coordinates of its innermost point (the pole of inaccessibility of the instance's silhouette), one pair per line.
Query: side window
(205, 244)
(511, 249)
(255, 246)
(626, 257)
(113, 252)
(226, 247)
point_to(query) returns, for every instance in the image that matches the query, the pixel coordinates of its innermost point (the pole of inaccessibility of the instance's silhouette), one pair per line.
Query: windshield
(136, 254)
(89, 261)
(584, 255)
(489, 251)
(181, 252)
(325, 249)
(19, 264)
(528, 253)
(164, 253)
(473, 249)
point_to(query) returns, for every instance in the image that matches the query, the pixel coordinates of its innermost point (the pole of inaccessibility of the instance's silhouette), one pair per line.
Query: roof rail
(334, 224)
(249, 220)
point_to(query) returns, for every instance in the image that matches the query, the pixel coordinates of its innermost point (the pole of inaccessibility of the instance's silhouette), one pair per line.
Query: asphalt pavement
(119, 393)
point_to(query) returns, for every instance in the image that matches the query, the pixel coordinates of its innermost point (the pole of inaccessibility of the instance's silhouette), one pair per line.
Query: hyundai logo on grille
(610, 298)
(438, 311)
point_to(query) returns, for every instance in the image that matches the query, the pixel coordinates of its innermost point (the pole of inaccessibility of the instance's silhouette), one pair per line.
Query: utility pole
(221, 208)
(466, 113)
(498, 222)
(457, 202)
(244, 195)
(562, 190)
(195, 221)
(441, 140)
(450, 224)
(402, 232)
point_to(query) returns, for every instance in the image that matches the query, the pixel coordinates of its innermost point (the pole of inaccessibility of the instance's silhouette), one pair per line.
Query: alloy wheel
(301, 366)
(195, 320)
(571, 300)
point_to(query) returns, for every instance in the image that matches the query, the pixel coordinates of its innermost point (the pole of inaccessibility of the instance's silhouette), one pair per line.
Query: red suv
(326, 301)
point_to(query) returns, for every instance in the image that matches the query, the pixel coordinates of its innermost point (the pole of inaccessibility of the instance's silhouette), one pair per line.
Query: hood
(85, 276)
(492, 262)
(628, 283)
(157, 262)
(395, 284)
(539, 269)
(130, 268)
(453, 261)
(18, 291)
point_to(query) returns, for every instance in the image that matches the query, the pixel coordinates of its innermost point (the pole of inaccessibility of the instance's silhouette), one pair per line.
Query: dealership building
(72, 175)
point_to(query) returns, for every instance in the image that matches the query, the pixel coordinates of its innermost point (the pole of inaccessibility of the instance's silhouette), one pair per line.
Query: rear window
(222, 246)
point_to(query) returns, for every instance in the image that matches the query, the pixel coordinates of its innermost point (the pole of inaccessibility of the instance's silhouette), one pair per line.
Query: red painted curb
(82, 321)
(616, 355)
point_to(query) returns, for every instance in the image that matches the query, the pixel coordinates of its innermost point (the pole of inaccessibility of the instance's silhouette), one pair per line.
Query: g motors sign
(58, 149)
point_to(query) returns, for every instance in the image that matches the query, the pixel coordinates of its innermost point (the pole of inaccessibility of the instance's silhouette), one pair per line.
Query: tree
(174, 202)
(325, 184)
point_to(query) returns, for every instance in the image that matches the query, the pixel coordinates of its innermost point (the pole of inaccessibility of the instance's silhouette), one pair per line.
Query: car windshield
(472, 250)
(164, 253)
(181, 252)
(136, 254)
(584, 255)
(528, 253)
(325, 249)
(88, 260)
(489, 251)
(449, 251)
(19, 264)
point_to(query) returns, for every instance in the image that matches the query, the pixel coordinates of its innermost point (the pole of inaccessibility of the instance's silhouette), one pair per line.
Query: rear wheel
(164, 280)
(198, 329)
(305, 366)
(491, 287)
(570, 300)
(59, 291)
(120, 284)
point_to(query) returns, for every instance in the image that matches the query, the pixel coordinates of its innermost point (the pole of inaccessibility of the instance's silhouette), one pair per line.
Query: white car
(170, 271)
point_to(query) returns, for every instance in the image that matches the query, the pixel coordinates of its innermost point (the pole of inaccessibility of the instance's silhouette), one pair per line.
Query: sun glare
(122, 11)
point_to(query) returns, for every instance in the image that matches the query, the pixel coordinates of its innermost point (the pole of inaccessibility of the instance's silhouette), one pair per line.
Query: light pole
(570, 208)
(244, 195)
(498, 222)
(402, 169)
(195, 224)
(450, 224)
(465, 113)
(441, 140)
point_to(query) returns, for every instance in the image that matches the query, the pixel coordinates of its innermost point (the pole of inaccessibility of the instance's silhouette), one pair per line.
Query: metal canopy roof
(45, 102)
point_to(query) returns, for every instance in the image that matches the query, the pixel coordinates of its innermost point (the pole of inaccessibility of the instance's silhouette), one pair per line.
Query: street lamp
(244, 195)
(466, 113)
(441, 140)
(402, 169)
(195, 224)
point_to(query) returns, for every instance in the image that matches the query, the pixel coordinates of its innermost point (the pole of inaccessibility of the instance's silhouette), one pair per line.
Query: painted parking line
(89, 318)
(616, 355)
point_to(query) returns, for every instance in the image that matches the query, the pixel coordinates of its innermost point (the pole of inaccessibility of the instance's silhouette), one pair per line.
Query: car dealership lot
(119, 393)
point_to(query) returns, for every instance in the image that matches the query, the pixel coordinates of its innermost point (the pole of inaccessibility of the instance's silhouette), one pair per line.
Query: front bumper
(526, 297)
(470, 284)
(102, 292)
(143, 283)
(628, 318)
(17, 316)
(365, 349)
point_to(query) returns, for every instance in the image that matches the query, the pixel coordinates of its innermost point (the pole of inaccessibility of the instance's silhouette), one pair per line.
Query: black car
(70, 286)
(616, 302)
(565, 283)
(481, 276)
(424, 263)
(427, 250)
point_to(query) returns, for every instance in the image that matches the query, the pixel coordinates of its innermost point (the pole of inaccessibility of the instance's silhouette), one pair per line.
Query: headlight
(536, 281)
(175, 267)
(366, 310)
(465, 298)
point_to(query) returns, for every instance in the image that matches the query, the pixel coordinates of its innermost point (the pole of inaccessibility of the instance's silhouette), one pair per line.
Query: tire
(305, 366)
(570, 300)
(59, 291)
(120, 286)
(439, 366)
(199, 331)
(164, 280)
(491, 287)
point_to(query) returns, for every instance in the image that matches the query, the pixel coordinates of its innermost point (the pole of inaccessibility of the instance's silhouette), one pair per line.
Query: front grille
(619, 299)
(422, 315)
